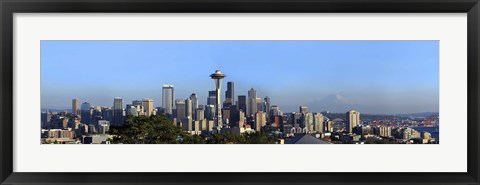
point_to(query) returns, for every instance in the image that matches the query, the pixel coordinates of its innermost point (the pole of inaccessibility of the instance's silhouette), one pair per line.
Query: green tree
(156, 129)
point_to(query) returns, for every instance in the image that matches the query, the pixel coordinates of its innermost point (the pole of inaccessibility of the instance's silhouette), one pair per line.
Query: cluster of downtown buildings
(89, 124)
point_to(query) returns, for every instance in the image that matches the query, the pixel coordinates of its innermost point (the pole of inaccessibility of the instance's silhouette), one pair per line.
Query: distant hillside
(56, 110)
(420, 114)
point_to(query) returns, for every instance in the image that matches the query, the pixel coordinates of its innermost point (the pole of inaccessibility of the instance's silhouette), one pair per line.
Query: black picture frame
(9, 7)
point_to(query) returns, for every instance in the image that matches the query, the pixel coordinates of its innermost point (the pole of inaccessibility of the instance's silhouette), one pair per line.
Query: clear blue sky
(370, 76)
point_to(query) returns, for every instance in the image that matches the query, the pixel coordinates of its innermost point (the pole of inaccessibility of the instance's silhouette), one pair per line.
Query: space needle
(217, 77)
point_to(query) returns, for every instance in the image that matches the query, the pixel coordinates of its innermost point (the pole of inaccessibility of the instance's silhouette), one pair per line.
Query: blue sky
(370, 76)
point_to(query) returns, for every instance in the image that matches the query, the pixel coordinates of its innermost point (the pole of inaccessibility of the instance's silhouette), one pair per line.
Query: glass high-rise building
(229, 95)
(168, 97)
(209, 112)
(85, 113)
(107, 114)
(180, 107)
(242, 103)
(252, 102)
(194, 99)
(211, 100)
(188, 108)
(267, 105)
(118, 111)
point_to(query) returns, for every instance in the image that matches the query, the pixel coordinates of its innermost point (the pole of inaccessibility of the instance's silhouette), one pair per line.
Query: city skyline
(255, 121)
(408, 83)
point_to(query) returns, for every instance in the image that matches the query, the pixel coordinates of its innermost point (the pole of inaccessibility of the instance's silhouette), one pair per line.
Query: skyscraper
(229, 95)
(75, 106)
(107, 114)
(194, 99)
(217, 77)
(85, 113)
(210, 112)
(180, 105)
(188, 108)
(352, 119)
(46, 117)
(211, 98)
(148, 106)
(168, 99)
(242, 103)
(252, 102)
(118, 111)
(267, 105)
(258, 102)
(200, 113)
(234, 116)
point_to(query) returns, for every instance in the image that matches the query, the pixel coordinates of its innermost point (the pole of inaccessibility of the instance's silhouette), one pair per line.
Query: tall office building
(107, 114)
(242, 103)
(211, 98)
(46, 117)
(234, 115)
(188, 108)
(217, 77)
(200, 113)
(229, 95)
(180, 106)
(252, 102)
(85, 113)
(118, 111)
(352, 119)
(194, 99)
(148, 106)
(75, 106)
(168, 97)
(267, 105)
(210, 112)
(258, 102)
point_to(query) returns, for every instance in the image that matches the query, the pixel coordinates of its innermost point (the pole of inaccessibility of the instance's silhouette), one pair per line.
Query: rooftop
(305, 139)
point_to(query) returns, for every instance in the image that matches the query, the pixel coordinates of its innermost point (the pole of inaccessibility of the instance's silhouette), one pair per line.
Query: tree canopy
(158, 129)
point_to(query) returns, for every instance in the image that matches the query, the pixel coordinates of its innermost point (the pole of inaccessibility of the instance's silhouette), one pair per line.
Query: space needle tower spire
(217, 77)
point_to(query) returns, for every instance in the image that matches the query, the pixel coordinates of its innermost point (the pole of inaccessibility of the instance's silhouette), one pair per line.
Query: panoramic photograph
(239, 92)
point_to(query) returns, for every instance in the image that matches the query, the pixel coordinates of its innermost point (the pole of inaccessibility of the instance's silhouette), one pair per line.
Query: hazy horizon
(373, 77)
